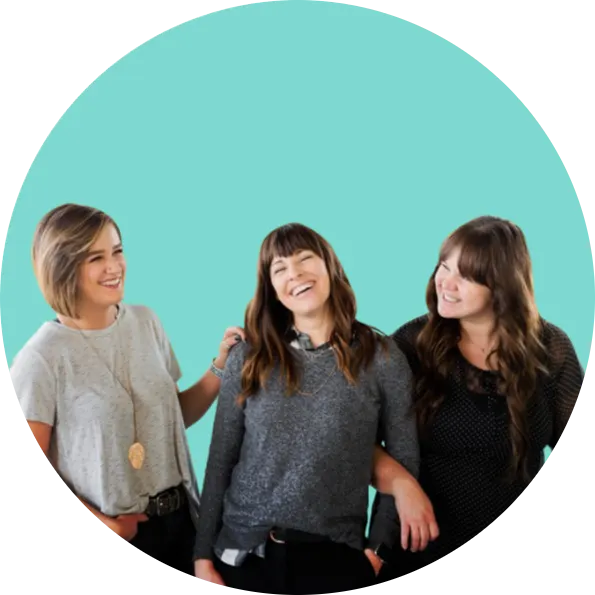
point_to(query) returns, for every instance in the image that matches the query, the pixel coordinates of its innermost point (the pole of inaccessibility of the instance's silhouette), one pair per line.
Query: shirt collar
(301, 340)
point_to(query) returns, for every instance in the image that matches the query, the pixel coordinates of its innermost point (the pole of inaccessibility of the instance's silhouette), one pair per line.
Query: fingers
(421, 534)
(415, 538)
(232, 331)
(404, 535)
(229, 342)
(374, 560)
(434, 530)
(216, 578)
(424, 536)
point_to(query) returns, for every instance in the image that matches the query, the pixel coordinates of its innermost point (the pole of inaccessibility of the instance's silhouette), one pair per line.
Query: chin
(113, 302)
(447, 314)
(307, 311)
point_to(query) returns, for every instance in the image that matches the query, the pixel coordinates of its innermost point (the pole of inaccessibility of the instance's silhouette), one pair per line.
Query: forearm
(224, 452)
(196, 400)
(223, 456)
(106, 520)
(399, 464)
(211, 511)
(389, 476)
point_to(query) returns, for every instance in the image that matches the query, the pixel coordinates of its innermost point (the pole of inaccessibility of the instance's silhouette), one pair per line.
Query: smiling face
(102, 273)
(301, 283)
(458, 297)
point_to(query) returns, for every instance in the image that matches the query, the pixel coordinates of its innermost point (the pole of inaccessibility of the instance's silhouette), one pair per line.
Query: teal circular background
(378, 134)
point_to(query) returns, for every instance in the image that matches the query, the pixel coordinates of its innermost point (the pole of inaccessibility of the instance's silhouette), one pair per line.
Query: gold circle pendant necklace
(136, 452)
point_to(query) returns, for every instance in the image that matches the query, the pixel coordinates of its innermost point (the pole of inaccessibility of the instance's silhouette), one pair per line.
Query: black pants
(169, 539)
(300, 569)
(405, 569)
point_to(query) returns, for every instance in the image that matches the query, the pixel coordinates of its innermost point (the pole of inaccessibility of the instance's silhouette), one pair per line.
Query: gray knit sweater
(305, 462)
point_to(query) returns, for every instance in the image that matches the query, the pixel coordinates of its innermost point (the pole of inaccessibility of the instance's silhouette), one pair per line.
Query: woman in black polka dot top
(495, 384)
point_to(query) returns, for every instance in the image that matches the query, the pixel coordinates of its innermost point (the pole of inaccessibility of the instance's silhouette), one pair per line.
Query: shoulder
(552, 334)
(40, 356)
(406, 337)
(141, 316)
(408, 332)
(139, 312)
(557, 344)
(237, 355)
(46, 344)
(390, 357)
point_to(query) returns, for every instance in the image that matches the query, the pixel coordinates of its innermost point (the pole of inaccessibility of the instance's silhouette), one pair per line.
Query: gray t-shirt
(63, 379)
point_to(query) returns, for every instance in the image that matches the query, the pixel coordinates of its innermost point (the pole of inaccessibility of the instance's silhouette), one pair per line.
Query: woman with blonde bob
(301, 407)
(495, 383)
(98, 386)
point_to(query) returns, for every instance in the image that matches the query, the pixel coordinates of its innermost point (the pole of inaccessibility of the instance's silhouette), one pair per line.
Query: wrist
(219, 364)
(401, 485)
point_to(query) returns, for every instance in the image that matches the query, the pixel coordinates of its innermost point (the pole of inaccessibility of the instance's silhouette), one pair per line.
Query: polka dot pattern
(466, 451)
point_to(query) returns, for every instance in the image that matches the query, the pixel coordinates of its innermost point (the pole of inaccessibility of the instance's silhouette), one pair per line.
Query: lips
(449, 299)
(112, 283)
(301, 289)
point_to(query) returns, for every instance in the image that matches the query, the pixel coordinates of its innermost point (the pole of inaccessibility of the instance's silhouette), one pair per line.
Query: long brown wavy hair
(493, 253)
(267, 321)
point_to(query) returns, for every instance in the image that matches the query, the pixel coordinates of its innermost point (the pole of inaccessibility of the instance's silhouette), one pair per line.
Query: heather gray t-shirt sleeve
(226, 443)
(399, 434)
(35, 386)
(169, 357)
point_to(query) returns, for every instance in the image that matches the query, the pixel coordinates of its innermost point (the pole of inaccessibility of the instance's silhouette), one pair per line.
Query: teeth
(301, 288)
(114, 283)
(449, 299)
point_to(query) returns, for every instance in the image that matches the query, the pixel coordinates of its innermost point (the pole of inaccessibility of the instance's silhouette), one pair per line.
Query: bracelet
(215, 370)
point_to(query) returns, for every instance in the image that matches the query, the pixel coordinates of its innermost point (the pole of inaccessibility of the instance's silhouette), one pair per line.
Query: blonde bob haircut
(62, 240)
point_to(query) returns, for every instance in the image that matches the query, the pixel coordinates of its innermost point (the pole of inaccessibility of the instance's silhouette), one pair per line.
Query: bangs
(476, 260)
(287, 240)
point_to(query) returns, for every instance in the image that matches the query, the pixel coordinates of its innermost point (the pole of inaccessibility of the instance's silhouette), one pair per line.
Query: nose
(112, 265)
(448, 283)
(294, 270)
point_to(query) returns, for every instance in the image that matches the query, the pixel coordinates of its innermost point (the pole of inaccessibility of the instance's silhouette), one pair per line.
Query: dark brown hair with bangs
(493, 253)
(267, 321)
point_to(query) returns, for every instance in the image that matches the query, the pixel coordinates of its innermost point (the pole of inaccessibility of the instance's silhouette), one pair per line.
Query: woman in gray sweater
(303, 403)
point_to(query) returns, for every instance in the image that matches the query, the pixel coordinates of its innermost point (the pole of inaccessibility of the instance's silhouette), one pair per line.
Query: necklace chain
(482, 349)
(136, 452)
(313, 357)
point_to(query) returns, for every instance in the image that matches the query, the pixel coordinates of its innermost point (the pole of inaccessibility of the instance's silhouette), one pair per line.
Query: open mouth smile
(449, 299)
(112, 283)
(301, 289)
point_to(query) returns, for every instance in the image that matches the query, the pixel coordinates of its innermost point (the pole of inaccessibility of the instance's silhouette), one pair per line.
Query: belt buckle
(163, 504)
(274, 539)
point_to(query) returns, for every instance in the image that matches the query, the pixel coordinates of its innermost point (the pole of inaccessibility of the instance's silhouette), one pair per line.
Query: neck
(91, 318)
(318, 327)
(479, 331)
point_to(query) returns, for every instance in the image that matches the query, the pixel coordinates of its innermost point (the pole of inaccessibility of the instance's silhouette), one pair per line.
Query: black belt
(166, 502)
(282, 536)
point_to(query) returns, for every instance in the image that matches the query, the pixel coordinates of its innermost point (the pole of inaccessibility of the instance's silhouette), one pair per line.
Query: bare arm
(389, 475)
(196, 400)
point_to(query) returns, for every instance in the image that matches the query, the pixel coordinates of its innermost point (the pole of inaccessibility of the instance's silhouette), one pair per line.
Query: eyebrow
(280, 259)
(97, 252)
